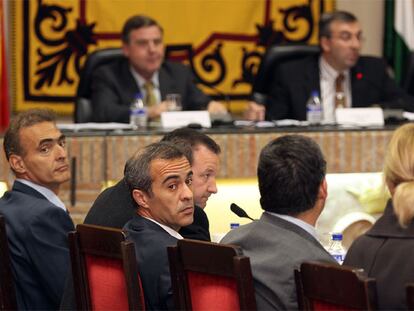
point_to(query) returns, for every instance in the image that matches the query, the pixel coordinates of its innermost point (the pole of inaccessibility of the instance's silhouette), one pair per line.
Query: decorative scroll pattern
(57, 35)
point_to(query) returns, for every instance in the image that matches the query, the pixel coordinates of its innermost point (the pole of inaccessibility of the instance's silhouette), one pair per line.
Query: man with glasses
(341, 76)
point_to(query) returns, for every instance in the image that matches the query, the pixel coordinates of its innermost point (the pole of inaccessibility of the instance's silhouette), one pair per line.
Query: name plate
(360, 116)
(176, 119)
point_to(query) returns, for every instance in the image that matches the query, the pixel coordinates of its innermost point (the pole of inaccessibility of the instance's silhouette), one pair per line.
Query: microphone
(239, 211)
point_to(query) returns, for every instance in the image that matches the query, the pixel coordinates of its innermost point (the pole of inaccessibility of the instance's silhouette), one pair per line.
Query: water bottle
(138, 115)
(336, 249)
(314, 113)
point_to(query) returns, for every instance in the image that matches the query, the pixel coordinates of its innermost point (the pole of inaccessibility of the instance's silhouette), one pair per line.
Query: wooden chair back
(210, 276)
(105, 270)
(326, 286)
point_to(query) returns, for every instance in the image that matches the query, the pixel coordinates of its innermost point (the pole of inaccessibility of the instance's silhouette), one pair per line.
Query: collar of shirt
(327, 84)
(141, 81)
(300, 223)
(47, 193)
(169, 230)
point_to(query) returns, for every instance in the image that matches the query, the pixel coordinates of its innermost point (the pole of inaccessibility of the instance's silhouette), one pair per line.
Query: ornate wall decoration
(222, 41)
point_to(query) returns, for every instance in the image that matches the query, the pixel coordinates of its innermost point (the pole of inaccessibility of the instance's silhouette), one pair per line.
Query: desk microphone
(239, 211)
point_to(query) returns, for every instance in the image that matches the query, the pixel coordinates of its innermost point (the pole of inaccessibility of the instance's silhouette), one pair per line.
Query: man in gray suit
(293, 189)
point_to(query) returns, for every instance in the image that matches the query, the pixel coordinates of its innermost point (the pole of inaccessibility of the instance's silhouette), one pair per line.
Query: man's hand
(255, 112)
(216, 107)
(155, 111)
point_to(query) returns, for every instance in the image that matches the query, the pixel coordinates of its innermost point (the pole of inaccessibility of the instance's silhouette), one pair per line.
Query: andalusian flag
(399, 35)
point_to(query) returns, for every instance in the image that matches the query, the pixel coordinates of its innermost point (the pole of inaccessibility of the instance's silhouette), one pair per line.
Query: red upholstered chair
(325, 286)
(104, 269)
(410, 296)
(210, 276)
(7, 288)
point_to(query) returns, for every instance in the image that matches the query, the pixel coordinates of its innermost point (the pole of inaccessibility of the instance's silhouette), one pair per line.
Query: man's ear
(323, 190)
(125, 49)
(325, 44)
(140, 197)
(17, 164)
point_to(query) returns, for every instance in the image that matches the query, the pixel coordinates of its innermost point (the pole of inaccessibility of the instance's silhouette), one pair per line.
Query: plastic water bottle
(336, 249)
(314, 113)
(138, 115)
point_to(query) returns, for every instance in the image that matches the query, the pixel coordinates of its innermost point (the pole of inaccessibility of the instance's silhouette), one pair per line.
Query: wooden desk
(100, 156)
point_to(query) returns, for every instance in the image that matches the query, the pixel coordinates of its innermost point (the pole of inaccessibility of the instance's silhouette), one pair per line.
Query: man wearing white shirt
(338, 72)
(37, 221)
(159, 178)
(144, 71)
(293, 189)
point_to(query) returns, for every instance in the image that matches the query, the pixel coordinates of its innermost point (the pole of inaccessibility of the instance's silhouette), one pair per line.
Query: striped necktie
(340, 100)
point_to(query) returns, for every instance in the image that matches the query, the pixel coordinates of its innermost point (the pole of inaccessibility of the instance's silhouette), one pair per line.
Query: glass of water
(174, 102)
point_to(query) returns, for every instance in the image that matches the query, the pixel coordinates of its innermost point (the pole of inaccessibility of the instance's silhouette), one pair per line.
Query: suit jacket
(385, 252)
(114, 88)
(114, 207)
(37, 234)
(275, 248)
(294, 81)
(151, 242)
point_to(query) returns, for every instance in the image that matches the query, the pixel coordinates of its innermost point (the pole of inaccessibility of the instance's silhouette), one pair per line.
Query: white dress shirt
(300, 223)
(141, 81)
(47, 193)
(169, 230)
(327, 83)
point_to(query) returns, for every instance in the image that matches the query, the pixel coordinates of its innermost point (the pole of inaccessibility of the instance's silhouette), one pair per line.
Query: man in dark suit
(341, 76)
(144, 71)
(37, 221)
(160, 180)
(293, 189)
(114, 206)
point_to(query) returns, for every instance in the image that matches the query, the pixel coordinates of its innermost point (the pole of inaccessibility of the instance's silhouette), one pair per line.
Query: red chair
(7, 288)
(104, 269)
(210, 276)
(410, 296)
(326, 286)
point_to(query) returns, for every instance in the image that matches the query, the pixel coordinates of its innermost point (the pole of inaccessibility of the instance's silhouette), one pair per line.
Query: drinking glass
(174, 102)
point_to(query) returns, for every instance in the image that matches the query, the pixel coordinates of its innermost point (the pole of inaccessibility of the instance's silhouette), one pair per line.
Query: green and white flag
(399, 35)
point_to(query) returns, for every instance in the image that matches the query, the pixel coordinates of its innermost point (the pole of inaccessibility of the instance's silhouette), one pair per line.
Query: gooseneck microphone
(239, 211)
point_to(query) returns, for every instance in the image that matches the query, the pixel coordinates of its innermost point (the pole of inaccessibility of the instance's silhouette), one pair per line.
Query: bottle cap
(315, 93)
(138, 96)
(336, 236)
(234, 225)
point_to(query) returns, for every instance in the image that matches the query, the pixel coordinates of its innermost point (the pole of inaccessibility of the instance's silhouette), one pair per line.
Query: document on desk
(176, 119)
(360, 116)
(111, 126)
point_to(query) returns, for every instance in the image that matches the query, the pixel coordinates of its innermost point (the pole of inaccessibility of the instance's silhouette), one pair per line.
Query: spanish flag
(4, 91)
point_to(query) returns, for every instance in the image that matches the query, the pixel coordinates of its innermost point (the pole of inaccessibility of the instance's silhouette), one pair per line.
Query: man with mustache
(37, 221)
(341, 76)
(144, 71)
(159, 178)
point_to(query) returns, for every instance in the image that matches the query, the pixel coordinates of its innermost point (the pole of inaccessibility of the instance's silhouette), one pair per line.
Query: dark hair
(137, 168)
(327, 18)
(290, 171)
(136, 22)
(187, 137)
(11, 143)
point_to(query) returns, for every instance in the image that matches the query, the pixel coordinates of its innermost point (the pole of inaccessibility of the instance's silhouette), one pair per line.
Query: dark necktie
(340, 100)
